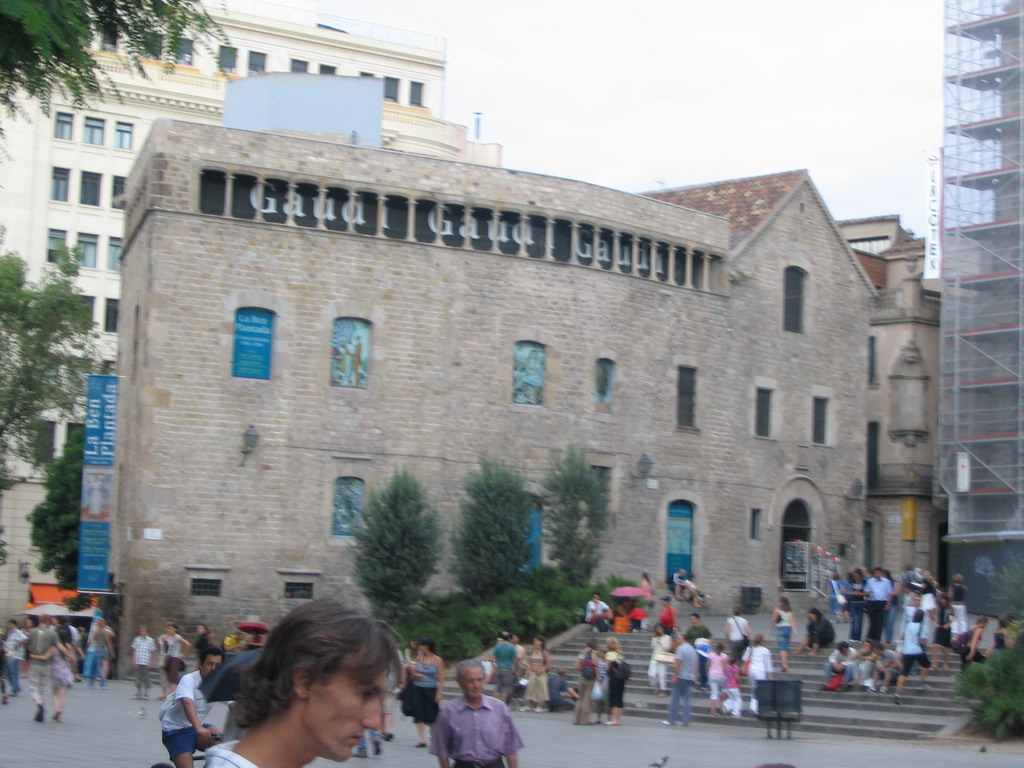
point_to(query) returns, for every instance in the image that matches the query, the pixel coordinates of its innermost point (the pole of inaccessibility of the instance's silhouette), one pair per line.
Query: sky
(655, 94)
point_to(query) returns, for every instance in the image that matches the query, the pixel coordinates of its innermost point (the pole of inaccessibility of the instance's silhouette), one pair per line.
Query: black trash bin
(750, 598)
(779, 701)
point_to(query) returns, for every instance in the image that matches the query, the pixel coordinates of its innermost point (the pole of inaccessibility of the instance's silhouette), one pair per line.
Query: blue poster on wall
(100, 421)
(254, 341)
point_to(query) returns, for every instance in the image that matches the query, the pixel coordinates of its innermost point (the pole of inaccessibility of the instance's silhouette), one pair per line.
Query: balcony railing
(900, 478)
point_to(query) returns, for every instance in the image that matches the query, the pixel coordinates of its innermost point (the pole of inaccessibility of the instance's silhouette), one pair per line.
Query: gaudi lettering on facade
(459, 225)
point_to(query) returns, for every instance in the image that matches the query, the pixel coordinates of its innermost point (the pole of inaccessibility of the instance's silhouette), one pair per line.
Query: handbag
(664, 657)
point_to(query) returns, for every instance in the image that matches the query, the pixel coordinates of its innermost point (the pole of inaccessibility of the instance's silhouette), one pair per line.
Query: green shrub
(997, 688)
(575, 515)
(464, 625)
(490, 546)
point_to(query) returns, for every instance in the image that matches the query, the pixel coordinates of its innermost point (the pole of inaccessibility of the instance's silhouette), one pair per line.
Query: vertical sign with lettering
(933, 238)
(97, 484)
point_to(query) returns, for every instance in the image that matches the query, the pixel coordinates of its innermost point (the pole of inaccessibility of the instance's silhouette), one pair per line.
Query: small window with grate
(299, 590)
(205, 587)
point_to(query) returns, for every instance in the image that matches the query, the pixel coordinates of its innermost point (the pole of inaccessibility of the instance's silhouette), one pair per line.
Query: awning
(49, 593)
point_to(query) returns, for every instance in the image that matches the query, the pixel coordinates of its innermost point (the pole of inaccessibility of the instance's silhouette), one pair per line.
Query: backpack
(588, 669)
(962, 641)
(620, 671)
(835, 683)
(826, 634)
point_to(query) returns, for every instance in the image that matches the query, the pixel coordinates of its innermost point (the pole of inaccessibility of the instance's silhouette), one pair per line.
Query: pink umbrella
(628, 592)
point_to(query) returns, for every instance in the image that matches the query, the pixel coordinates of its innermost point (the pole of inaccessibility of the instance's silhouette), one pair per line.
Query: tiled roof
(874, 266)
(744, 202)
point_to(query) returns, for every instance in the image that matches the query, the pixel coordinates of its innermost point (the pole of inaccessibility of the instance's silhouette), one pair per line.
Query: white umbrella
(50, 609)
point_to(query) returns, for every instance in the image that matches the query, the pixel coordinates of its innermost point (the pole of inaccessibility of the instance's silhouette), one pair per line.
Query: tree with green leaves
(575, 515)
(45, 45)
(398, 547)
(47, 338)
(55, 520)
(491, 544)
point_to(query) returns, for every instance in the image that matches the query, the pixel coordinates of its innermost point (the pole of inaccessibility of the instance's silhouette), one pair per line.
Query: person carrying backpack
(586, 663)
(618, 673)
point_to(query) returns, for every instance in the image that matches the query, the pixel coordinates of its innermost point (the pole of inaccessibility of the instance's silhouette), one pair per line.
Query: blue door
(679, 537)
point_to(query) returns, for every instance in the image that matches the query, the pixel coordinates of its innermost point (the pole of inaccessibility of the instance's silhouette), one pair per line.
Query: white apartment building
(65, 172)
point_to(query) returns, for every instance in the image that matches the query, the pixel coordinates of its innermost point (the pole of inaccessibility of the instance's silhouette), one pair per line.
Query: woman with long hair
(943, 637)
(757, 664)
(782, 620)
(62, 670)
(427, 680)
(660, 664)
(616, 686)
(537, 673)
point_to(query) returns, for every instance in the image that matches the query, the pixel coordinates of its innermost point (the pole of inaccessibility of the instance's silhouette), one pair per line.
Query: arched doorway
(679, 537)
(794, 565)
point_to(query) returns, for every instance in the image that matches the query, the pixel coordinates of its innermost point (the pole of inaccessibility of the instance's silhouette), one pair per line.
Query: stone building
(902, 522)
(364, 311)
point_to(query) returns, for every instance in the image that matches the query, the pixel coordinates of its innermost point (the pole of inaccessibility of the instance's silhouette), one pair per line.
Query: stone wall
(444, 323)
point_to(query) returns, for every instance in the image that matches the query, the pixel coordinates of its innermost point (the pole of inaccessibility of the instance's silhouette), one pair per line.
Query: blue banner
(97, 500)
(100, 421)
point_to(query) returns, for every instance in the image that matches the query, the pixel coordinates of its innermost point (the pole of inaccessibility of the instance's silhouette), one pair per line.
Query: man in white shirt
(184, 711)
(840, 661)
(598, 613)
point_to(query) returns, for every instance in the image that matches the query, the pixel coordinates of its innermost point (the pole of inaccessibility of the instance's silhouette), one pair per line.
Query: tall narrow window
(763, 413)
(416, 94)
(116, 190)
(59, 183)
(872, 360)
(57, 240)
(88, 245)
(686, 397)
(89, 188)
(90, 305)
(257, 63)
(109, 42)
(390, 89)
(115, 246)
(227, 59)
(123, 135)
(528, 373)
(793, 300)
(604, 384)
(350, 353)
(347, 509)
(93, 130)
(819, 429)
(63, 126)
(872, 457)
(254, 343)
(110, 316)
(755, 524)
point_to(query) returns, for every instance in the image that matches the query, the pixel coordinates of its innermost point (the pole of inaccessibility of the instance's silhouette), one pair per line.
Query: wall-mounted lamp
(249, 439)
(644, 465)
(23, 575)
(856, 489)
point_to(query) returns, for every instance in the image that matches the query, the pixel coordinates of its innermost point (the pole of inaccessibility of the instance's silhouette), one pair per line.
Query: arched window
(528, 373)
(254, 343)
(350, 353)
(347, 507)
(793, 300)
(604, 384)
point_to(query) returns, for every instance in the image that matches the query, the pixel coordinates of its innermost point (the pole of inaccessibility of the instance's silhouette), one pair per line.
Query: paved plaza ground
(108, 728)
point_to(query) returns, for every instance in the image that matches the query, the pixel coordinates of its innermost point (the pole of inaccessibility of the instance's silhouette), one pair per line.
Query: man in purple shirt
(474, 730)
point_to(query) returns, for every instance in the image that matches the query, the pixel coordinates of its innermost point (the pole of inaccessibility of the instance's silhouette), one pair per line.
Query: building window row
(94, 130)
(90, 187)
(293, 590)
(459, 225)
(763, 416)
(88, 246)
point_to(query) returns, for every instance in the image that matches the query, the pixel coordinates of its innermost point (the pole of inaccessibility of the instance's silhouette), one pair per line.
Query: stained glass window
(350, 353)
(528, 373)
(347, 511)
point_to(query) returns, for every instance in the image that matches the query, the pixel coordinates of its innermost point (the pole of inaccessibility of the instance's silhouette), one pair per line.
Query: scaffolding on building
(981, 462)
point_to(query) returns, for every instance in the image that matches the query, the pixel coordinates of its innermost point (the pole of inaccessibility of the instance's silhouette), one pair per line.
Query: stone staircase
(923, 713)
